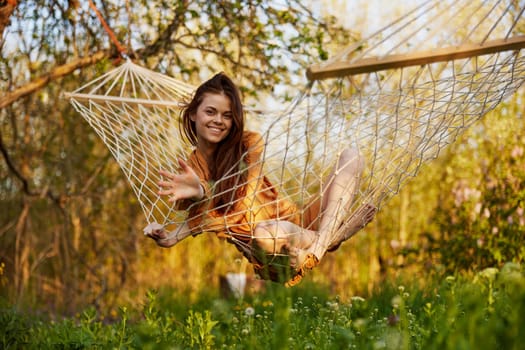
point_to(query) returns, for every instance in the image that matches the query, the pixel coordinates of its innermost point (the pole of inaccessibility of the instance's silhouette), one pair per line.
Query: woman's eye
(228, 116)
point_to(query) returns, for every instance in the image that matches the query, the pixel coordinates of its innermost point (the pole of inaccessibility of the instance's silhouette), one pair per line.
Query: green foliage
(13, 328)
(198, 329)
(481, 219)
(481, 311)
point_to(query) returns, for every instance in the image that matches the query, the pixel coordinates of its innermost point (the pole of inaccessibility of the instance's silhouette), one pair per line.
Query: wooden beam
(374, 64)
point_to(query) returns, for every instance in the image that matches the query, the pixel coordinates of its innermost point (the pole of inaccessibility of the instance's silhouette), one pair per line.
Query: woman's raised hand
(185, 185)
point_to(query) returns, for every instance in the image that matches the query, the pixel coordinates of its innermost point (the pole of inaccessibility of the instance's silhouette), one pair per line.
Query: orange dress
(261, 201)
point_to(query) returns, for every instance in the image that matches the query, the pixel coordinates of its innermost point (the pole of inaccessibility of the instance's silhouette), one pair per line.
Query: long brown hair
(225, 170)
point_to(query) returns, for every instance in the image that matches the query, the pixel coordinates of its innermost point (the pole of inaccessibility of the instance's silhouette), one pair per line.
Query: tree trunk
(21, 263)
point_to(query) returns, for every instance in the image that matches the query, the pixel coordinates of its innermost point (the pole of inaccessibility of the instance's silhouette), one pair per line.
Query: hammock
(399, 97)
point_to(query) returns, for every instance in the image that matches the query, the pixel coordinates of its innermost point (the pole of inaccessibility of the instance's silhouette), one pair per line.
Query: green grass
(483, 311)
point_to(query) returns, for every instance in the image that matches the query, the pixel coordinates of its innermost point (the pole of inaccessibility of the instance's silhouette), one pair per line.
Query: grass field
(482, 311)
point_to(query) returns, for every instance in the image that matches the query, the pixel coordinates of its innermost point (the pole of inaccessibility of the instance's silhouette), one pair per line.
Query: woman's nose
(218, 118)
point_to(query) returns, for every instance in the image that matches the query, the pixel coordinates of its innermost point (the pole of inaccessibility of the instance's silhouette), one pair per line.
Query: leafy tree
(465, 209)
(481, 215)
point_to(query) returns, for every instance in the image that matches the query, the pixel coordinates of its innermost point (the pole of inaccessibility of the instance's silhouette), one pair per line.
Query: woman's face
(213, 120)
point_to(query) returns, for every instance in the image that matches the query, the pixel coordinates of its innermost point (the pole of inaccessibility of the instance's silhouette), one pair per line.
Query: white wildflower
(249, 311)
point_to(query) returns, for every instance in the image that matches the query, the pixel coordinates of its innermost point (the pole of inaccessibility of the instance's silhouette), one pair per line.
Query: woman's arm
(166, 239)
(182, 186)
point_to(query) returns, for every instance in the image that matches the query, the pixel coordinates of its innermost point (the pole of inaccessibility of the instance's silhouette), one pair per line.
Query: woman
(224, 191)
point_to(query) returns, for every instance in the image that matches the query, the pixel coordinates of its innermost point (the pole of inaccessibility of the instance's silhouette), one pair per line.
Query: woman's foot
(278, 241)
(276, 237)
(362, 217)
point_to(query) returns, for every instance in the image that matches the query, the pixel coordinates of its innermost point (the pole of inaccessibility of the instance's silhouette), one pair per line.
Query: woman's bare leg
(343, 185)
(283, 237)
(277, 236)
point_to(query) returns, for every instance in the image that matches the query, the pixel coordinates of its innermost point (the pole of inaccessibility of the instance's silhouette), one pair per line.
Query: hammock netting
(399, 97)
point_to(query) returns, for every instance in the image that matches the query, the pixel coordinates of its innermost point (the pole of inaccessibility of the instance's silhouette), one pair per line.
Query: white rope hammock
(399, 97)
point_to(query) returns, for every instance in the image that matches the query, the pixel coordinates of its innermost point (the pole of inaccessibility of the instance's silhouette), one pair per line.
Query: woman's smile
(216, 129)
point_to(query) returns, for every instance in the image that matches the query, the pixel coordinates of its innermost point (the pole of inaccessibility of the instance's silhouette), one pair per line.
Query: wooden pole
(374, 64)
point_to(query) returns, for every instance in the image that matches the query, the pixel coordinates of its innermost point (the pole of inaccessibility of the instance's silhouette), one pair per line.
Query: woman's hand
(165, 239)
(155, 231)
(185, 185)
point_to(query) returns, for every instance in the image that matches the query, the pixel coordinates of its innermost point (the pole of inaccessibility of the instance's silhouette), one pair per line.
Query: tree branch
(55, 73)
(63, 70)
(12, 167)
(165, 37)
(25, 184)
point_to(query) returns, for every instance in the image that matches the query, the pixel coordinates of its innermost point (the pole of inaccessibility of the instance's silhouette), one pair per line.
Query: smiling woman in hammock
(223, 189)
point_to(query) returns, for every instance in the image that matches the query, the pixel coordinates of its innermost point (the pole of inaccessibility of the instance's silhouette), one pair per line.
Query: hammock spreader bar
(374, 64)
